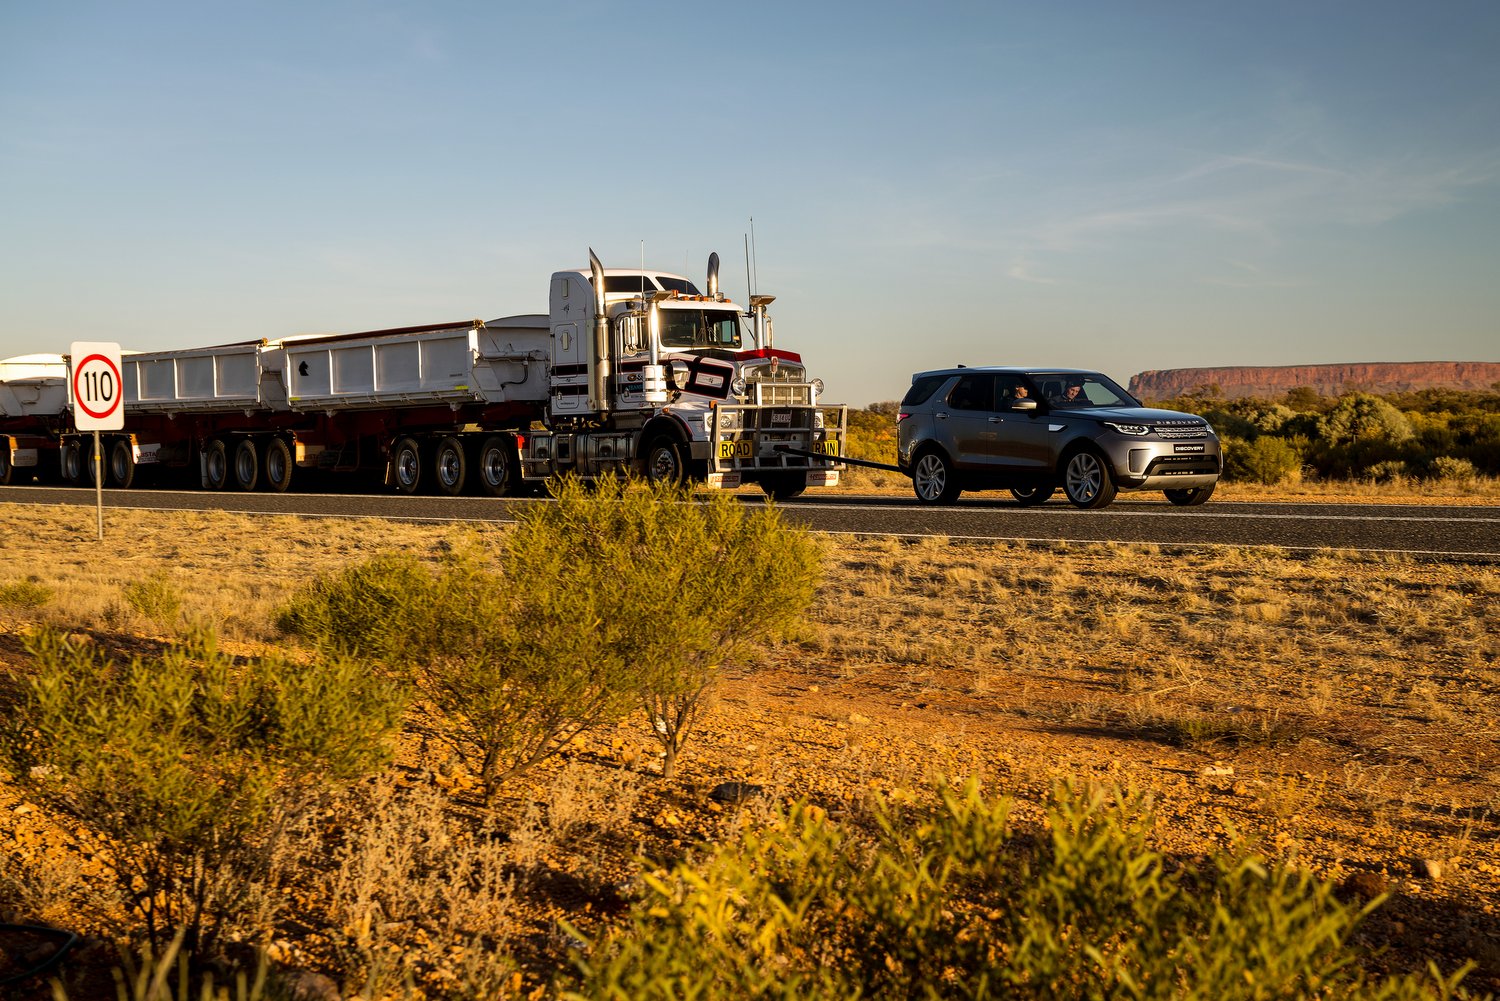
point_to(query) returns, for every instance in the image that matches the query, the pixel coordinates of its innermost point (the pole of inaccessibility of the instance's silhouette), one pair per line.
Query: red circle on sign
(78, 397)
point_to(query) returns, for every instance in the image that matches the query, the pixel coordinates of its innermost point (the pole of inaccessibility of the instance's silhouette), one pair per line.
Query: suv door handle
(941, 415)
(995, 420)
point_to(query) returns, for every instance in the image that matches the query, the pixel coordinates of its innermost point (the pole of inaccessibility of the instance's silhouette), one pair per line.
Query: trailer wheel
(406, 465)
(279, 465)
(122, 464)
(665, 462)
(450, 466)
(494, 466)
(70, 462)
(246, 464)
(216, 464)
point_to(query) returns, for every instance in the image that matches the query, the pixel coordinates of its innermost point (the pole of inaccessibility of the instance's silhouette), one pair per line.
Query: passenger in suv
(1033, 430)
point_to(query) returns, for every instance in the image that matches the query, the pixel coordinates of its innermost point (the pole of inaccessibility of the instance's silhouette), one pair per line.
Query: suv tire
(934, 480)
(1087, 480)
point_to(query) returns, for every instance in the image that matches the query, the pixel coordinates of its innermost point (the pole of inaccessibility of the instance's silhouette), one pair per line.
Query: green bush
(27, 594)
(381, 609)
(155, 597)
(676, 589)
(188, 762)
(952, 902)
(1267, 460)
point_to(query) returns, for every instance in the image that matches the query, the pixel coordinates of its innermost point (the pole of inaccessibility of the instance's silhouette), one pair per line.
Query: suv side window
(973, 392)
(922, 389)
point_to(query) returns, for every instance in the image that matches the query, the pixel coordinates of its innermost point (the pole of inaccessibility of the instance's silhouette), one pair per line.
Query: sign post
(97, 393)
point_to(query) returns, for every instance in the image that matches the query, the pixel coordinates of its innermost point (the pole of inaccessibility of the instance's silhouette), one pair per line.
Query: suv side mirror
(1024, 404)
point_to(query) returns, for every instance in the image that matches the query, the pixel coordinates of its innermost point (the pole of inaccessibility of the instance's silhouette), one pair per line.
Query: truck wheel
(934, 480)
(1087, 480)
(450, 466)
(494, 466)
(122, 464)
(665, 462)
(216, 464)
(781, 488)
(279, 465)
(1032, 496)
(1192, 496)
(406, 465)
(7, 468)
(246, 464)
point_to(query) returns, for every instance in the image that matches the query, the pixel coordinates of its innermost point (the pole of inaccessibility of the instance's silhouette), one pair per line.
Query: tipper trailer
(629, 371)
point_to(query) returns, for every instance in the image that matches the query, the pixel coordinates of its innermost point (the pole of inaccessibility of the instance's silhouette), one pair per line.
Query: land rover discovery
(1034, 430)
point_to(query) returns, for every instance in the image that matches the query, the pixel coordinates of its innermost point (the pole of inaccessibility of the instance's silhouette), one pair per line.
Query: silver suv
(1033, 430)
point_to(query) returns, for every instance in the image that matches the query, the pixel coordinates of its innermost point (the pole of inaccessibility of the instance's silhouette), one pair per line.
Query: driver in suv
(1034, 430)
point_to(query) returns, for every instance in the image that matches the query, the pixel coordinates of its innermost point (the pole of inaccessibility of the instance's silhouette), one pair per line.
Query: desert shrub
(1387, 471)
(155, 597)
(189, 762)
(676, 589)
(952, 902)
(380, 609)
(1447, 467)
(1267, 460)
(25, 594)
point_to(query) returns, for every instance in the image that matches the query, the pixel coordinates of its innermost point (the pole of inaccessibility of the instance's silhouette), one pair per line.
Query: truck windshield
(700, 328)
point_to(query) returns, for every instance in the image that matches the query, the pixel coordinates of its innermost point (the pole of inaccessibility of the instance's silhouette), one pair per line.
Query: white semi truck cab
(647, 369)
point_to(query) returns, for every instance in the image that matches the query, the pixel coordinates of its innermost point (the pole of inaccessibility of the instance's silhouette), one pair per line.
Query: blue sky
(1123, 186)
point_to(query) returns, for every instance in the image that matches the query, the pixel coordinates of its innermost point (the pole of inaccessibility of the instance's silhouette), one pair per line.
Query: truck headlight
(817, 385)
(738, 386)
(1131, 429)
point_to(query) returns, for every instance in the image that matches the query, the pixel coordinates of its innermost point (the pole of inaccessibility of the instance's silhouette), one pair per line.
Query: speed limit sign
(97, 391)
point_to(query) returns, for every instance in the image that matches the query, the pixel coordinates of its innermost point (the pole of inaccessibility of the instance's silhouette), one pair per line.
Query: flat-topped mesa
(1329, 380)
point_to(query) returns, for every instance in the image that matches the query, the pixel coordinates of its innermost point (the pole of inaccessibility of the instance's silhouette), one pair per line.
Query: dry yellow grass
(1337, 710)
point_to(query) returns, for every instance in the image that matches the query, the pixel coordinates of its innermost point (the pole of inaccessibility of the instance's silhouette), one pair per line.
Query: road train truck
(629, 371)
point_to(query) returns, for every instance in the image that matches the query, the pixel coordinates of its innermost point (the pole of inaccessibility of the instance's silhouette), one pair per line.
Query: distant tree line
(1439, 434)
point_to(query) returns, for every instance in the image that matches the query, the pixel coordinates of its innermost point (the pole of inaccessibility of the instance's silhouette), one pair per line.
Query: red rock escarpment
(1329, 380)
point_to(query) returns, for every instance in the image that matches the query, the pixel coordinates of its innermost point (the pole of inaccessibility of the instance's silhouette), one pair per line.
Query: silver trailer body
(502, 361)
(33, 385)
(227, 377)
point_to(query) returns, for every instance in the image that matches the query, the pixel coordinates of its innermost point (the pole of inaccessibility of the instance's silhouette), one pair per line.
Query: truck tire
(122, 464)
(787, 486)
(450, 467)
(494, 466)
(406, 465)
(1191, 496)
(934, 479)
(246, 465)
(7, 468)
(216, 464)
(1087, 480)
(666, 461)
(279, 465)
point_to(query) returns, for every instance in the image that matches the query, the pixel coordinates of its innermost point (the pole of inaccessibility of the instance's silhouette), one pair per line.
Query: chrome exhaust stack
(602, 369)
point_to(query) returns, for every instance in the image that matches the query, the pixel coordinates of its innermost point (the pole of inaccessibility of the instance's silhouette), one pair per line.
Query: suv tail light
(901, 417)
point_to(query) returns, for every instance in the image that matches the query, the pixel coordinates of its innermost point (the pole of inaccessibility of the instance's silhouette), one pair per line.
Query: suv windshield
(700, 328)
(1076, 390)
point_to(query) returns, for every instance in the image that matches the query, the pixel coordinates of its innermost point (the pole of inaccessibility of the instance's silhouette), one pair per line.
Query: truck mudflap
(750, 442)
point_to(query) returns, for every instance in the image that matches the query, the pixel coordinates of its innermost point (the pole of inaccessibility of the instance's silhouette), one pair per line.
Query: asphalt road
(1457, 532)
